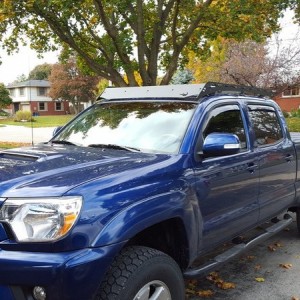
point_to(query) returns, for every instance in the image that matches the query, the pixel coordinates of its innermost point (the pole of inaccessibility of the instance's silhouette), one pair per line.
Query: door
(16, 107)
(277, 161)
(227, 186)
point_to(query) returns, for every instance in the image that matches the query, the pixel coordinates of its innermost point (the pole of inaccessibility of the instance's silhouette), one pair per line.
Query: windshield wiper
(63, 142)
(113, 146)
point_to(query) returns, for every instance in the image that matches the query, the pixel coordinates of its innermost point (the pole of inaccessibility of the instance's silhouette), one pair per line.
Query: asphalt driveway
(270, 270)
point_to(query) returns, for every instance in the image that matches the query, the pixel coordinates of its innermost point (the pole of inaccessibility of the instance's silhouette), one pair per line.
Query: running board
(237, 249)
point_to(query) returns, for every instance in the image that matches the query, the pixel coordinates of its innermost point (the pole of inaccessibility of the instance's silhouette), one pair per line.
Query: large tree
(69, 83)
(249, 63)
(5, 99)
(40, 72)
(115, 38)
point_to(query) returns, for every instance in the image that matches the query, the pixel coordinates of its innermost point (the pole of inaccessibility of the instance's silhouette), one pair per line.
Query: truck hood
(52, 170)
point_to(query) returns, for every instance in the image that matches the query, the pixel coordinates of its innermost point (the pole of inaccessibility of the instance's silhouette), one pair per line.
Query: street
(21, 134)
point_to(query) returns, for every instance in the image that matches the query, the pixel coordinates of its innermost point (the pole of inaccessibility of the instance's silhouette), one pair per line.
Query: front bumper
(71, 275)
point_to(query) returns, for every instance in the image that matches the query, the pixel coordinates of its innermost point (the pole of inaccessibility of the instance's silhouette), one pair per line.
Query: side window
(226, 119)
(266, 125)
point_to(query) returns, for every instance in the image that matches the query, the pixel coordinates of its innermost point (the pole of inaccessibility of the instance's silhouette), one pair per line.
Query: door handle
(289, 157)
(252, 167)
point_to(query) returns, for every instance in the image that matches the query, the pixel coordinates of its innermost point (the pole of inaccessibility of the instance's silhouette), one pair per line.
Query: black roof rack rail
(216, 88)
(194, 92)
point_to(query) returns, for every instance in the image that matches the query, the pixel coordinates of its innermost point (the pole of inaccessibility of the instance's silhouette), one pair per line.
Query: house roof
(29, 83)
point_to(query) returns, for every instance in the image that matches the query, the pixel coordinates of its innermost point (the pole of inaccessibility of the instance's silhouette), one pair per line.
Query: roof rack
(216, 88)
(182, 91)
(177, 91)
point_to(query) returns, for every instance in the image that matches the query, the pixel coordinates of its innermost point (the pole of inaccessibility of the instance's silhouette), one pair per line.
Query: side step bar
(237, 249)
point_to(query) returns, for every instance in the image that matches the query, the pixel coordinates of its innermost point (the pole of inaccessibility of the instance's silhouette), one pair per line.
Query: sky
(289, 30)
(22, 62)
(26, 59)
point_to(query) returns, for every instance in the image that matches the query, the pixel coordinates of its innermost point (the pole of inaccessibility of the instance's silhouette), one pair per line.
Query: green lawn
(9, 145)
(42, 121)
(293, 124)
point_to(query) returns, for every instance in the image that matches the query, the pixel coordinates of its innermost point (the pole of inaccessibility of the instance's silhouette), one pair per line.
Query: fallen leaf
(251, 257)
(215, 278)
(260, 279)
(205, 293)
(287, 229)
(212, 277)
(191, 284)
(257, 267)
(193, 281)
(272, 248)
(226, 285)
(286, 266)
(219, 281)
(214, 274)
(189, 291)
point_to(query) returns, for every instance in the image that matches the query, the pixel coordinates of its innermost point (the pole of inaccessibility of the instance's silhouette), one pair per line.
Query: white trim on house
(291, 92)
(29, 91)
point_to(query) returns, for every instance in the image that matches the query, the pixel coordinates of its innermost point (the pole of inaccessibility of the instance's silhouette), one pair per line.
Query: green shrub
(295, 113)
(23, 116)
(3, 113)
(285, 114)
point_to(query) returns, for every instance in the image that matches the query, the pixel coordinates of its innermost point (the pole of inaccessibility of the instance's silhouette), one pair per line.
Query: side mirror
(56, 130)
(220, 144)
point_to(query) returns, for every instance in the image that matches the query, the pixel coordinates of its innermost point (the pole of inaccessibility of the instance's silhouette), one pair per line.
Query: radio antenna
(30, 106)
(31, 118)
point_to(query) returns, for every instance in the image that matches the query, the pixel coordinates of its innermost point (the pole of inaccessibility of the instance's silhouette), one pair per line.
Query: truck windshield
(138, 126)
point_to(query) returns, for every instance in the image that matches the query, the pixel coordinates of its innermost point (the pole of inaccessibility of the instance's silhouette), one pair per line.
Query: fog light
(39, 293)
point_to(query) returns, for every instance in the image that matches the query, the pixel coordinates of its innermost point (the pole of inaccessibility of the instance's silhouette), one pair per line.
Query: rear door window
(266, 125)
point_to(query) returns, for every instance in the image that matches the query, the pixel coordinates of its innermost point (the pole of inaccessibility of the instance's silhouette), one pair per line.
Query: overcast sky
(22, 63)
(26, 59)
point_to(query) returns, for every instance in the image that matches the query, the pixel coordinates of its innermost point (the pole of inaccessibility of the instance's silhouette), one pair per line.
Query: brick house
(289, 99)
(32, 95)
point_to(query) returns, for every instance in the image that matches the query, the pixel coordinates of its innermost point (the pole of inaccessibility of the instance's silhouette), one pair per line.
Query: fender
(148, 212)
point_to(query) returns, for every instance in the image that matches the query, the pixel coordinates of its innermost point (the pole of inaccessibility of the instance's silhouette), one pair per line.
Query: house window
(12, 92)
(59, 106)
(291, 92)
(43, 106)
(21, 91)
(41, 91)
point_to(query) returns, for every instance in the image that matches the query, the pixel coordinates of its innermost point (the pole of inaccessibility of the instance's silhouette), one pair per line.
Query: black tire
(137, 268)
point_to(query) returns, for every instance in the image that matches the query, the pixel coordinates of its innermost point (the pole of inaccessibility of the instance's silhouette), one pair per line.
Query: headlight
(40, 219)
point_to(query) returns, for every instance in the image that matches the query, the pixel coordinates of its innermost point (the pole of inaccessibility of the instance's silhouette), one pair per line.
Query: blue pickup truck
(125, 198)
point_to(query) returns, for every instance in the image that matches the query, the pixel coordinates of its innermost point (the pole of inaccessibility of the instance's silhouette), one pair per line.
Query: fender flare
(148, 212)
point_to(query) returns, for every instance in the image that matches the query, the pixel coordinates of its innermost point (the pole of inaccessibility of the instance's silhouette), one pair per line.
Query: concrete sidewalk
(21, 134)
